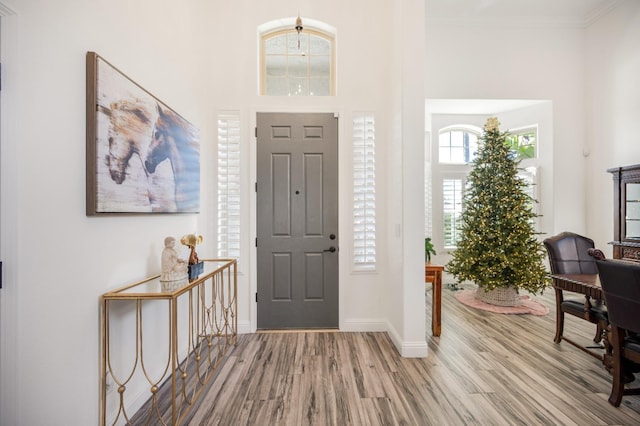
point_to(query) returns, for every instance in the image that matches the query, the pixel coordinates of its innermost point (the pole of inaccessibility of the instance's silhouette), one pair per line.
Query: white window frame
(522, 131)
(443, 171)
(477, 132)
(530, 170)
(290, 32)
(458, 173)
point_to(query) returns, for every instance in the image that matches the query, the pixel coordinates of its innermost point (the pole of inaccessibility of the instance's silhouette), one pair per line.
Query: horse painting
(175, 140)
(142, 157)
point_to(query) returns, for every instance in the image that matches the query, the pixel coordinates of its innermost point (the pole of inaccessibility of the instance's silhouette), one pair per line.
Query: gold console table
(201, 326)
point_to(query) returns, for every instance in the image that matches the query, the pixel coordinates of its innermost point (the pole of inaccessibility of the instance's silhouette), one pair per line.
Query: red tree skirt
(527, 304)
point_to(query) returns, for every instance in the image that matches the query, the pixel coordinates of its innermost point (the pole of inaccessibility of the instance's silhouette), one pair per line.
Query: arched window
(297, 64)
(458, 145)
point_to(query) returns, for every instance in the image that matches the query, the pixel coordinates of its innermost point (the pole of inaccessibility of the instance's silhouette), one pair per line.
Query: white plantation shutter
(452, 210)
(364, 192)
(229, 184)
(530, 176)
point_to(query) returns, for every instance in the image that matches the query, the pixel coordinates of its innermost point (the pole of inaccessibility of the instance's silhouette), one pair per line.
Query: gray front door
(297, 225)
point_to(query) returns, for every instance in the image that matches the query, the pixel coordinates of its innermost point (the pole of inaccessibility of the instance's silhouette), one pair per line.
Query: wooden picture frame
(142, 156)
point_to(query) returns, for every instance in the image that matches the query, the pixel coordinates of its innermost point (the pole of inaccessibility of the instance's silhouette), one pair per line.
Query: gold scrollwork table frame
(203, 327)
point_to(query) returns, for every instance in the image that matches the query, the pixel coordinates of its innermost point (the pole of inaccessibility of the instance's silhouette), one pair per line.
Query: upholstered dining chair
(620, 282)
(568, 254)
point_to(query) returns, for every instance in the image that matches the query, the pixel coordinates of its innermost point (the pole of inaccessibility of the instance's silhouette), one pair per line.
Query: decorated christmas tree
(498, 247)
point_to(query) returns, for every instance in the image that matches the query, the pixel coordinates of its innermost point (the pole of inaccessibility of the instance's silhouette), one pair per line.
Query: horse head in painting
(175, 140)
(129, 133)
(163, 144)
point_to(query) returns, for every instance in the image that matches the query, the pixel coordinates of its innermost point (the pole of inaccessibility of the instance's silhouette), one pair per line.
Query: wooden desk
(433, 274)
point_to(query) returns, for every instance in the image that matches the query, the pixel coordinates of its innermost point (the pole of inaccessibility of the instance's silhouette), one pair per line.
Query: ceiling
(568, 12)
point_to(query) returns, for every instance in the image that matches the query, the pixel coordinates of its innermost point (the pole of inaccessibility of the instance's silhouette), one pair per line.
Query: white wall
(62, 261)
(521, 62)
(198, 57)
(613, 111)
(411, 339)
(9, 214)
(541, 115)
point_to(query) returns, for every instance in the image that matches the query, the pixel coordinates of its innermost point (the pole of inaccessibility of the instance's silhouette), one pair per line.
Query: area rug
(527, 304)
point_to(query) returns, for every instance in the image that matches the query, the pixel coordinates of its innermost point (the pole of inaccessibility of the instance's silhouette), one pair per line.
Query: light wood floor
(485, 369)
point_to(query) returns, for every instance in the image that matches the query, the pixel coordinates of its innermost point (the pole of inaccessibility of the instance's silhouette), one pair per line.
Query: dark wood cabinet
(626, 218)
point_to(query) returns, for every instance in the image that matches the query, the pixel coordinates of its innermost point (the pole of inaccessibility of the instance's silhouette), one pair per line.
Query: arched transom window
(297, 64)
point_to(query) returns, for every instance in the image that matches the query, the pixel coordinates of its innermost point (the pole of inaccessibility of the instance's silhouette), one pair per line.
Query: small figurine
(190, 241)
(173, 267)
(195, 266)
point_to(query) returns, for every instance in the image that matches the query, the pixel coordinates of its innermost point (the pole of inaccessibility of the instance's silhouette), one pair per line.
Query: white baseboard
(417, 349)
(408, 349)
(244, 327)
(364, 324)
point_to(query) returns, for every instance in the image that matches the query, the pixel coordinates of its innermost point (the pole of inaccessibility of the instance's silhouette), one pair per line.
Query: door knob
(332, 249)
